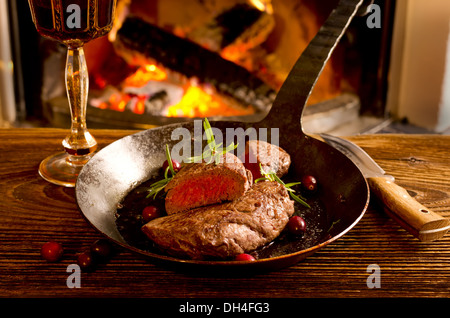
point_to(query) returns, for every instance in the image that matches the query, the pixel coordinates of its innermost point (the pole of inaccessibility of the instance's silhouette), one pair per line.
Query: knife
(417, 219)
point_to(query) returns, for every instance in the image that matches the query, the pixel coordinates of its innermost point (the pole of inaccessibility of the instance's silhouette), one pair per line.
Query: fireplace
(171, 60)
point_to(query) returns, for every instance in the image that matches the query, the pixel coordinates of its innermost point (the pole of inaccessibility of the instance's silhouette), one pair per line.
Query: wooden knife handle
(420, 221)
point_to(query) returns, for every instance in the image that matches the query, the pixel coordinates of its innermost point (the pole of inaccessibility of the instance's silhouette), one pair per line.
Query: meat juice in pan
(129, 223)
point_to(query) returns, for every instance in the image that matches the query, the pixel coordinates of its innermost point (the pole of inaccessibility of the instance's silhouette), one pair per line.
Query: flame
(196, 101)
(263, 5)
(145, 74)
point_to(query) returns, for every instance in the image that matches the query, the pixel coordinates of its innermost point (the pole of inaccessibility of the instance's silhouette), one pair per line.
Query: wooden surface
(33, 212)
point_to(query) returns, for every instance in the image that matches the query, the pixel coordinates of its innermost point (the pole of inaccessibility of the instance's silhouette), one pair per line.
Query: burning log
(140, 42)
(235, 31)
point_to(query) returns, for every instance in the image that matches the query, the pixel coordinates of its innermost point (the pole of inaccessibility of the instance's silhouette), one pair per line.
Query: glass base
(62, 169)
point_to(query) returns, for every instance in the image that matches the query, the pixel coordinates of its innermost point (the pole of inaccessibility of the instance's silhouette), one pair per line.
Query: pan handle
(290, 101)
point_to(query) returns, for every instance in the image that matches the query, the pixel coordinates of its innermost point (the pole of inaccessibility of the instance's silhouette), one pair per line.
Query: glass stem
(80, 144)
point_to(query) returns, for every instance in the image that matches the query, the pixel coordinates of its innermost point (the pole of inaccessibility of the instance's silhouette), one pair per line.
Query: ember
(148, 90)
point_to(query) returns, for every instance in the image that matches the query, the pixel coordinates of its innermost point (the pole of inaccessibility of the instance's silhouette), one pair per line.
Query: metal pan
(344, 194)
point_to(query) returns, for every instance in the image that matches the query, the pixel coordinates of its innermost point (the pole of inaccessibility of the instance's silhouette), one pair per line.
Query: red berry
(309, 183)
(150, 212)
(176, 165)
(296, 225)
(52, 251)
(101, 248)
(86, 261)
(244, 257)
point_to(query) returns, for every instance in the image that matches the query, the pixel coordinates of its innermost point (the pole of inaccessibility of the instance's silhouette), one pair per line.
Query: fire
(195, 102)
(145, 74)
(115, 102)
(263, 5)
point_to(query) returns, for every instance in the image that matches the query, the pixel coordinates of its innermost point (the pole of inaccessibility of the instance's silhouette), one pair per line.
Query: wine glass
(73, 23)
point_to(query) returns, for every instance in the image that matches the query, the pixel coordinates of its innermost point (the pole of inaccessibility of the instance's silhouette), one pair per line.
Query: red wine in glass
(73, 23)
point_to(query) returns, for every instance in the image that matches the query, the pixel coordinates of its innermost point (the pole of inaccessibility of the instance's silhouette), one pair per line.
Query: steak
(271, 157)
(225, 230)
(200, 184)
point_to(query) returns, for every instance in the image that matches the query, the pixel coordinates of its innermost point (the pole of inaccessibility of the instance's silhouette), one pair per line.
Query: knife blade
(417, 219)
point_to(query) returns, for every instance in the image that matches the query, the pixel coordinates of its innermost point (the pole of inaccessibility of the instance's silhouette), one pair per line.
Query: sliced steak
(200, 184)
(271, 157)
(225, 230)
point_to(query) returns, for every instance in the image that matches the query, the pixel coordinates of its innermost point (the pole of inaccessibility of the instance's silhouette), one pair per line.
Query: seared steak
(271, 157)
(200, 184)
(227, 229)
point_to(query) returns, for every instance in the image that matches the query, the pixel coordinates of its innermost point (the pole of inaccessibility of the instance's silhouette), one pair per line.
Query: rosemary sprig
(271, 176)
(158, 186)
(214, 151)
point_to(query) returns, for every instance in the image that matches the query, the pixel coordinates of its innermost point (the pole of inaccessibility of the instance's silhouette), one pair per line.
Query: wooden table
(33, 212)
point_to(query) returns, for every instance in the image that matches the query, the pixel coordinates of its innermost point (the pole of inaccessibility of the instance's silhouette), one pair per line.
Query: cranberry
(86, 261)
(296, 225)
(150, 212)
(102, 248)
(309, 183)
(52, 251)
(244, 257)
(176, 165)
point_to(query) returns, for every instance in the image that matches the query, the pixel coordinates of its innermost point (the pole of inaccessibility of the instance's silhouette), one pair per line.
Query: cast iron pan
(343, 193)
